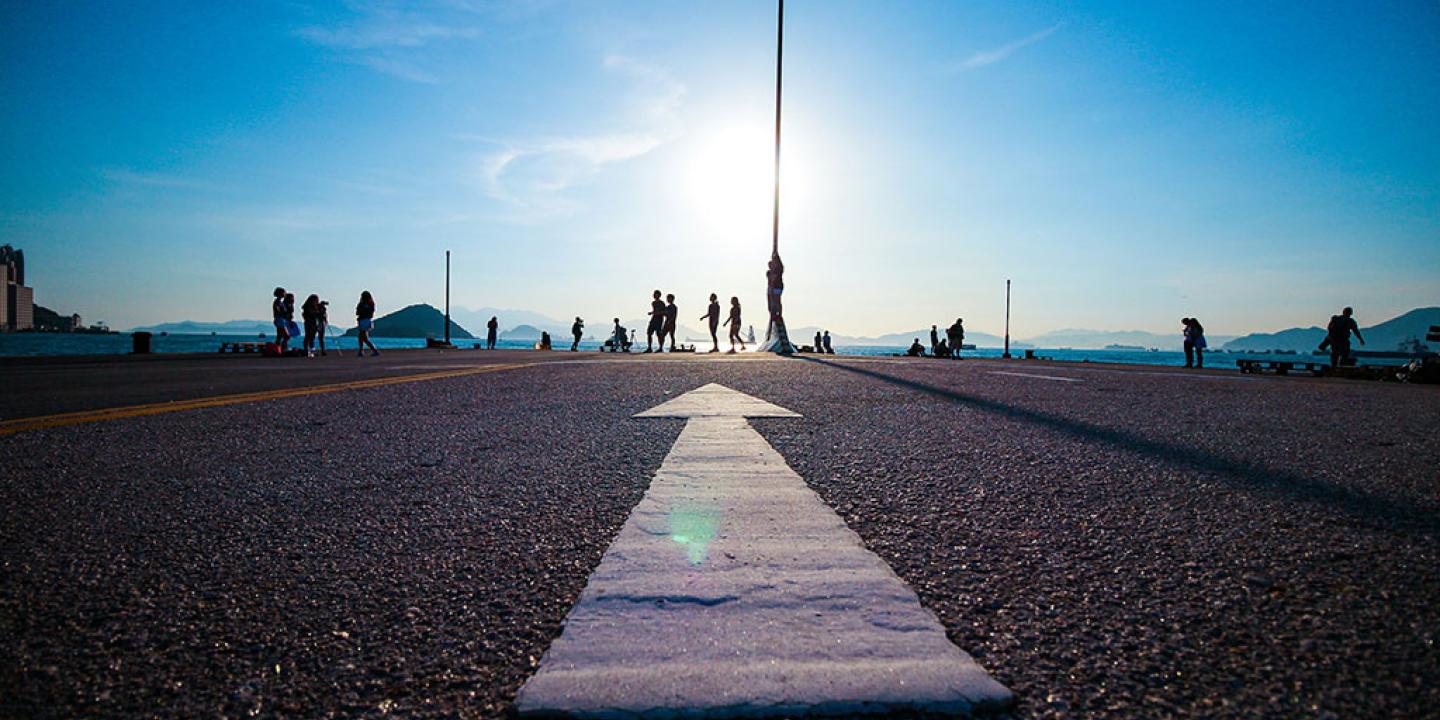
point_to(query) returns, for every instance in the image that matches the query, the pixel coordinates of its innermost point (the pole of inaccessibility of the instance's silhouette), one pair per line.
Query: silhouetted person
(934, 339)
(734, 322)
(672, 316)
(819, 342)
(364, 323)
(310, 313)
(828, 350)
(942, 350)
(619, 338)
(323, 318)
(956, 335)
(1195, 342)
(291, 329)
(282, 328)
(657, 322)
(544, 340)
(916, 349)
(577, 330)
(1337, 335)
(492, 328)
(712, 314)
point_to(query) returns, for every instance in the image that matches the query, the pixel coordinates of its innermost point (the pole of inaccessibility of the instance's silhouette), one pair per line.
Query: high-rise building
(17, 302)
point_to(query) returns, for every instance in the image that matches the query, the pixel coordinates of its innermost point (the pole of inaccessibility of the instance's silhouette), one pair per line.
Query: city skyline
(1125, 166)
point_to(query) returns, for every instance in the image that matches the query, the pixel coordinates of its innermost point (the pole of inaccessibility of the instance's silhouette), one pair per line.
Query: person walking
(364, 323)
(1337, 336)
(934, 340)
(577, 329)
(672, 317)
(310, 314)
(956, 335)
(828, 350)
(712, 314)
(282, 328)
(657, 323)
(734, 322)
(491, 328)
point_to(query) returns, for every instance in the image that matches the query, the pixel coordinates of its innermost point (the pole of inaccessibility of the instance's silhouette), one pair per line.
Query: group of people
(946, 347)
(664, 319)
(315, 314)
(822, 343)
(1194, 342)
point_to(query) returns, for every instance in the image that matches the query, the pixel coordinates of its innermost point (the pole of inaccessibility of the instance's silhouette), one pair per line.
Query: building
(17, 302)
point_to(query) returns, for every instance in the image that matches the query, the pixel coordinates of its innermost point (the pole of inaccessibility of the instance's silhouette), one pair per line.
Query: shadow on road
(1389, 512)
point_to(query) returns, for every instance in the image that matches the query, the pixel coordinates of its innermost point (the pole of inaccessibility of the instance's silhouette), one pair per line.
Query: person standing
(828, 350)
(310, 314)
(1337, 336)
(1189, 342)
(819, 342)
(734, 322)
(324, 319)
(365, 322)
(657, 323)
(712, 314)
(934, 340)
(1197, 336)
(672, 317)
(577, 329)
(491, 328)
(282, 328)
(956, 335)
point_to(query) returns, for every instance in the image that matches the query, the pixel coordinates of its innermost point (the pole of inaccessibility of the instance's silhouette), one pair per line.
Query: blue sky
(1253, 164)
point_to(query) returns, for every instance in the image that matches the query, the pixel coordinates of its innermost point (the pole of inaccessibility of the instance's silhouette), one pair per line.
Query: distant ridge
(1386, 336)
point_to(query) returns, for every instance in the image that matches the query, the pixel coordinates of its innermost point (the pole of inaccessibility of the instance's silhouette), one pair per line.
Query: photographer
(314, 313)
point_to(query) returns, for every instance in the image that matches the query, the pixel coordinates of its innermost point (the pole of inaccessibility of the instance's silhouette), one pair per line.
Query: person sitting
(544, 341)
(942, 350)
(916, 349)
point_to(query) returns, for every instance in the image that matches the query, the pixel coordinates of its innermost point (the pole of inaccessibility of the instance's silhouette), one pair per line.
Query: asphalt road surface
(1105, 541)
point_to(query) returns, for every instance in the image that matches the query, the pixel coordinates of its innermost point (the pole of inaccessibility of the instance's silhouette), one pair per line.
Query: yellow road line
(9, 427)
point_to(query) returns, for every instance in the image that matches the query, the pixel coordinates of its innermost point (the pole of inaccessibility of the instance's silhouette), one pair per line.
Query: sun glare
(731, 178)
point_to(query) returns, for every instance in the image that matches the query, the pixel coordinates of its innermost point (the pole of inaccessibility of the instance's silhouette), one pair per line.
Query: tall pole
(1007, 317)
(776, 339)
(779, 54)
(447, 297)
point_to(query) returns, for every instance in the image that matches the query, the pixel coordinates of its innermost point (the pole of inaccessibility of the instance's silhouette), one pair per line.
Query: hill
(1386, 336)
(1090, 339)
(229, 327)
(524, 332)
(415, 321)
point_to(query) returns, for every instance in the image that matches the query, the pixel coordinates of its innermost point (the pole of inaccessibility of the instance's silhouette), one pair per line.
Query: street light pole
(1007, 318)
(776, 339)
(447, 297)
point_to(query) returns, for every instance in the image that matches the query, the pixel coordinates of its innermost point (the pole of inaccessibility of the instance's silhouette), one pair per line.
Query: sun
(731, 179)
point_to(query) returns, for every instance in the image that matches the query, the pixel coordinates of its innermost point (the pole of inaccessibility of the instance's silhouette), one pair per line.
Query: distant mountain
(1386, 336)
(511, 319)
(806, 336)
(1092, 339)
(229, 327)
(524, 332)
(415, 321)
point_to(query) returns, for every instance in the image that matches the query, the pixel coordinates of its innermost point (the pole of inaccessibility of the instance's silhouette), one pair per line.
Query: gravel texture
(409, 550)
(1140, 544)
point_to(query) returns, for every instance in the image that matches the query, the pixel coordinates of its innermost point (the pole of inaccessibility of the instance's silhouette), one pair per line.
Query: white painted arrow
(734, 591)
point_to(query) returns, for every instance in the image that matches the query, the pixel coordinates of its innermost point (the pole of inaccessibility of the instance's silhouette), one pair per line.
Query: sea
(41, 344)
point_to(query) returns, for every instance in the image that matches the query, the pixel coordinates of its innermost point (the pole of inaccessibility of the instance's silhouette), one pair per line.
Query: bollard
(140, 342)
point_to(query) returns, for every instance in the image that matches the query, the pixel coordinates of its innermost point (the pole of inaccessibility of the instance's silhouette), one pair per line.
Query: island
(415, 321)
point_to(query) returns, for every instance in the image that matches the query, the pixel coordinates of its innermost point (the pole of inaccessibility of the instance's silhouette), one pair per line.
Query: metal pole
(1007, 318)
(447, 297)
(779, 53)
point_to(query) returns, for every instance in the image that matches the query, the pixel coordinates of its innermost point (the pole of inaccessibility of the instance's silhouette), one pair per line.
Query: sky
(1254, 164)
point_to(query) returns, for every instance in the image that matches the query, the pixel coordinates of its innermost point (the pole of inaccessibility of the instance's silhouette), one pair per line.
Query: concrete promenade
(222, 535)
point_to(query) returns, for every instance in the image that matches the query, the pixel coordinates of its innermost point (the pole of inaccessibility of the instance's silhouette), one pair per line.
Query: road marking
(1040, 377)
(733, 590)
(9, 427)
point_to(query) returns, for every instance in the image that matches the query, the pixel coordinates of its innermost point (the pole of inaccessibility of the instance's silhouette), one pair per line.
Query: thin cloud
(391, 40)
(990, 57)
(531, 173)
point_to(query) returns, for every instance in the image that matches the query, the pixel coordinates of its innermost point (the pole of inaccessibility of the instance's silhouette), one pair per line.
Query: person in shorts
(657, 323)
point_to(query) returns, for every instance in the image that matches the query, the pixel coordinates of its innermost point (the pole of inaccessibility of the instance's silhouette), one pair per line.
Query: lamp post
(1007, 318)
(776, 339)
(447, 297)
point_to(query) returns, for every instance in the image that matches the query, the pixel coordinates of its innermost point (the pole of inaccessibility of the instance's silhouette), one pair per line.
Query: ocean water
(32, 344)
